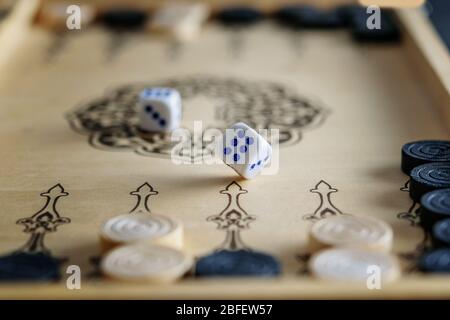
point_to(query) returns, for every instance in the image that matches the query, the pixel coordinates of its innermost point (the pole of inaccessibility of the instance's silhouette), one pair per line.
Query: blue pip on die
(159, 109)
(246, 151)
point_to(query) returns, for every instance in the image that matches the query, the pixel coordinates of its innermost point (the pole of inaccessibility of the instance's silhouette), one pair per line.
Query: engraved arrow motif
(45, 220)
(326, 206)
(413, 217)
(233, 218)
(143, 193)
(413, 213)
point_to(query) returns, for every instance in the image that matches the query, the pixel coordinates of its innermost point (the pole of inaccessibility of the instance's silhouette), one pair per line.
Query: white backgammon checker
(146, 263)
(183, 22)
(144, 228)
(354, 265)
(245, 150)
(159, 109)
(366, 233)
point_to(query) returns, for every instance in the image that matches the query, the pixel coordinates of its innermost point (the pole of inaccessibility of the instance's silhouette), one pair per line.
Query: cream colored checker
(351, 231)
(150, 263)
(354, 265)
(136, 228)
(182, 21)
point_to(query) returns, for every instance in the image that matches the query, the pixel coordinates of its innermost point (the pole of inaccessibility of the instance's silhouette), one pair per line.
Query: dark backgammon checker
(441, 233)
(110, 187)
(435, 206)
(358, 23)
(237, 263)
(23, 266)
(437, 261)
(420, 152)
(426, 162)
(123, 18)
(310, 17)
(429, 177)
(239, 16)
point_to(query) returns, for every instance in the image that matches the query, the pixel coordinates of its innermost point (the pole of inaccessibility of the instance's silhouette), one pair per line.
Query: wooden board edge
(431, 57)
(434, 287)
(285, 288)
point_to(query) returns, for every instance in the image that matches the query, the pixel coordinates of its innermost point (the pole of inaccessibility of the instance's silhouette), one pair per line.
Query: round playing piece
(29, 267)
(309, 17)
(347, 12)
(148, 228)
(239, 16)
(441, 234)
(353, 265)
(435, 261)
(123, 18)
(237, 263)
(421, 152)
(353, 232)
(435, 206)
(429, 177)
(388, 31)
(289, 16)
(149, 263)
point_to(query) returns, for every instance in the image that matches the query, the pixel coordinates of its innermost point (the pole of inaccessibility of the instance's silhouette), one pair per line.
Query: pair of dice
(243, 149)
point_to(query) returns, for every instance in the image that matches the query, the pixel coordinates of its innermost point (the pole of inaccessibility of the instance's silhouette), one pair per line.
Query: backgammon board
(72, 156)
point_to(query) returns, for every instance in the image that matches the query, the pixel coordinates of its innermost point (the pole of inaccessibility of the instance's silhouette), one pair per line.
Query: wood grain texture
(14, 27)
(370, 99)
(286, 288)
(430, 57)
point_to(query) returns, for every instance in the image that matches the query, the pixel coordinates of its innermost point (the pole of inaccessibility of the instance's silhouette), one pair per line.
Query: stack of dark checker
(296, 17)
(428, 165)
(350, 16)
(306, 17)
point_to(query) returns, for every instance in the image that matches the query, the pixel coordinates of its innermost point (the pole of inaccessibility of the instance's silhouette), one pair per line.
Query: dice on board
(246, 151)
(159, 109)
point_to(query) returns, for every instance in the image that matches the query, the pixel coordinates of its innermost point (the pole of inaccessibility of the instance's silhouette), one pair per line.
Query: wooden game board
(72, 157)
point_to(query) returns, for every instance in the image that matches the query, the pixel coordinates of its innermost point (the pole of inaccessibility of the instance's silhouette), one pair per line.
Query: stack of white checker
(143, 247)
(140, 246)
(180, 21)
(353, 249)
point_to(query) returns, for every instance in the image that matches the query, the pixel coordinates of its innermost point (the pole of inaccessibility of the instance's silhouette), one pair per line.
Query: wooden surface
(14, 27)
(363, 102)
(430, 56)
(289, 287)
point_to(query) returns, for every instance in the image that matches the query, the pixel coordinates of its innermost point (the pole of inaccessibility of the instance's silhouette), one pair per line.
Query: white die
(159, 109)
(246, 151)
